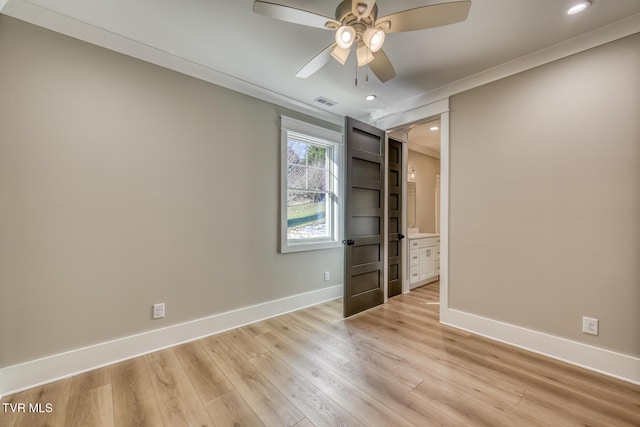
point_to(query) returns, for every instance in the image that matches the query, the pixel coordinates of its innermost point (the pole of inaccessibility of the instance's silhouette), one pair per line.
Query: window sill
(290, 247)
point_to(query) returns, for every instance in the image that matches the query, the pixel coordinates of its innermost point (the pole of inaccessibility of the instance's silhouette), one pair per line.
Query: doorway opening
(422, 201)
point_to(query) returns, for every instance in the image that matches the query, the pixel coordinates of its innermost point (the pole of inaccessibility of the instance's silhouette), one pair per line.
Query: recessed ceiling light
(370, 97)
(434, 128)
(578, 7)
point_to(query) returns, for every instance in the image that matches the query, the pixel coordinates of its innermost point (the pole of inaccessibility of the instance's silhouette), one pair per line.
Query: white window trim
(324, 137)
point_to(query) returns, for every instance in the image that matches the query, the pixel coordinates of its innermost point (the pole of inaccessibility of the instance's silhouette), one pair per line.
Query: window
(310, 186)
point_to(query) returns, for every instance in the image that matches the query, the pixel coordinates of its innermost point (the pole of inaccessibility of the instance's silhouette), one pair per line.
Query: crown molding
(411, 110)
(402, 113)
(52, 20)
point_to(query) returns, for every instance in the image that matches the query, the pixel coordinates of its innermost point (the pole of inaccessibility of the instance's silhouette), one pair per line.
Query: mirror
(411, 204)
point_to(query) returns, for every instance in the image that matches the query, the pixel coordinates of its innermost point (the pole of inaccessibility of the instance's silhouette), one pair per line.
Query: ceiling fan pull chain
(356, 73)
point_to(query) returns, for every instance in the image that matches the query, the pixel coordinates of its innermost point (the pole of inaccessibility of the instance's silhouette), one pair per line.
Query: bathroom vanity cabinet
(424, 258)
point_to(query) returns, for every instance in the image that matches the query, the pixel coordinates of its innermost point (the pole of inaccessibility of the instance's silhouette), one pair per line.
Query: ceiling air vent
(325, 101)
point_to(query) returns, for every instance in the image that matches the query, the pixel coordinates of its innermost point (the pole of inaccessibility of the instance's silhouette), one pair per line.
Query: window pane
(317, 179)
(297, 152)
(296, 177)
(307, 215)
(317, 156)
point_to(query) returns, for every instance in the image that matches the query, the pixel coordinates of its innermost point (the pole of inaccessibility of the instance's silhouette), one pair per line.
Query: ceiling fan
(356, 23)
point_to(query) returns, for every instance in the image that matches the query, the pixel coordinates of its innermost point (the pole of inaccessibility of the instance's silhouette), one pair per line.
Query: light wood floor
(392, 366)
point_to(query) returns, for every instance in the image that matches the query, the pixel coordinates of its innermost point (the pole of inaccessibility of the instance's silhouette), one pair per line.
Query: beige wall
(426, 169)
(123, 184)
(545, 197)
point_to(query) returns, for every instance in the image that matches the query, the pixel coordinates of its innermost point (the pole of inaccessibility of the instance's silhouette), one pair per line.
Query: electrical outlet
(327, 276)
(158, 311)
(590, 325)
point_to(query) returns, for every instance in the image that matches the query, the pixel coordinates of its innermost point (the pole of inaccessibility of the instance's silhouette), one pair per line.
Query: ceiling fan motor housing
(345, 16)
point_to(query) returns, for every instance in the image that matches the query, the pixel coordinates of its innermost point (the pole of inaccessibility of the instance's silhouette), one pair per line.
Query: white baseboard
(617, 365)
(30, 374)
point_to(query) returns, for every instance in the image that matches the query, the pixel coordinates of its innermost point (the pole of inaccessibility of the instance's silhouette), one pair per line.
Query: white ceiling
(425, 138)
(226, 43)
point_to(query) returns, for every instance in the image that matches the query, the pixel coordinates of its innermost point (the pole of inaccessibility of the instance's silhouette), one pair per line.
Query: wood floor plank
(625, 408)
(267, 402)
(255, 329)
(356, 348)
(231, 410)
(91, 399)
(564, 376)
(466, 370)
(480, 406)
(179, 403)
(91, 380)
(9, 413)
(244, 343)
(304, 423)
(55, 394)
(313, 403)
(134, 401)
(366, 409)
(451, 351)
(568, 410)
(412, 407)
(321, 351)
(207, 378)
(91, 408)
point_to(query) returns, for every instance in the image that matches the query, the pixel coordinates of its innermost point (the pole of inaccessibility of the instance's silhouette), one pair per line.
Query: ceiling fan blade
(315, 63)
(424, 17)
(291, 14)
(381, 66)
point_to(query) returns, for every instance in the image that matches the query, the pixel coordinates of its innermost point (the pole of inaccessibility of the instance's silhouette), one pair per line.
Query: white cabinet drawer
(414, 274)
(414, 257)
(425, 243)
(414, 244)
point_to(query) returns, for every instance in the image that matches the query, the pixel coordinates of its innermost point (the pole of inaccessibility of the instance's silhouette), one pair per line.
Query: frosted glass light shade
(373, 38)
(363, 54)
(340, 54)
(345, 36)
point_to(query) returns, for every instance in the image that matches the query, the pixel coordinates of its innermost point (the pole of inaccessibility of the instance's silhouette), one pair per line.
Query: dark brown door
(365, 215)
(395, 178)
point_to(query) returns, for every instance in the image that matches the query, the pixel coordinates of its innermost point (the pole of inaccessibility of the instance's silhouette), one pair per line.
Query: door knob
(400, 236)
(349, 242)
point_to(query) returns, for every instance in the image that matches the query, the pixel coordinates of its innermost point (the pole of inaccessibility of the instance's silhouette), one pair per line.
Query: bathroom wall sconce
(412, 174)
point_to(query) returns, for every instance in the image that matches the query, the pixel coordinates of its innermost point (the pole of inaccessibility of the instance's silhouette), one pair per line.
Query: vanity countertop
(422, 235)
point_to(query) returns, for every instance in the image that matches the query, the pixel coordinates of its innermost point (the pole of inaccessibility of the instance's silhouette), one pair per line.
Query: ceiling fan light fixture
(354, 18)
(340, 54)
(578, 7)
(345, 36)
(373, 38)
(363, 54)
